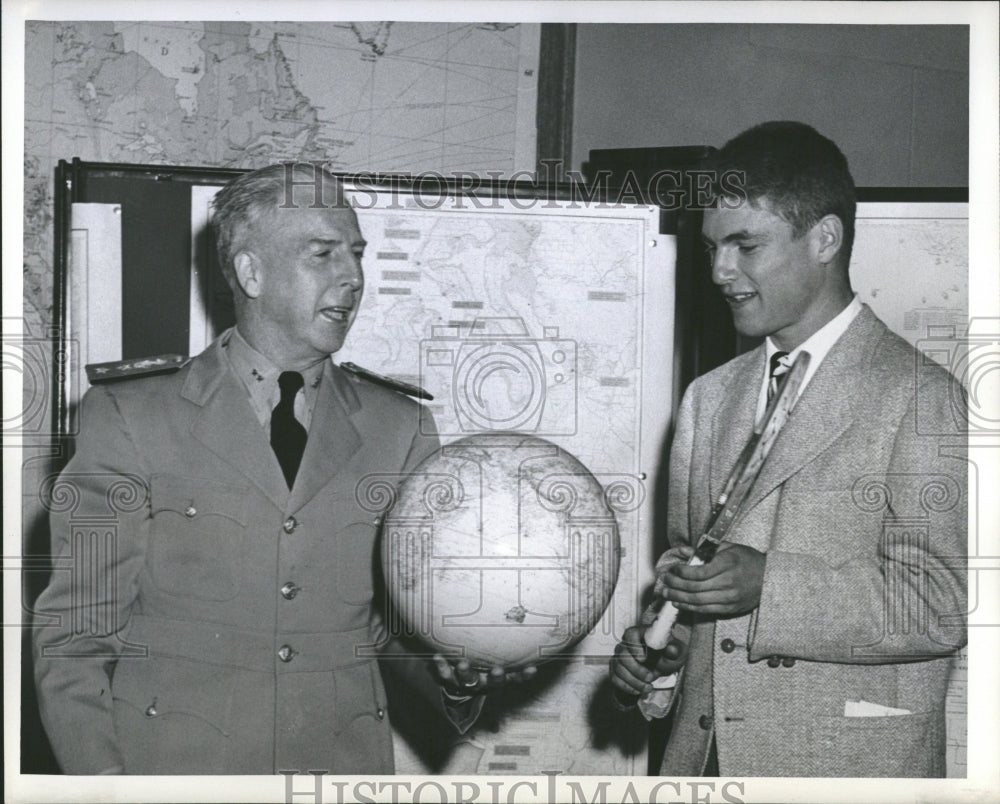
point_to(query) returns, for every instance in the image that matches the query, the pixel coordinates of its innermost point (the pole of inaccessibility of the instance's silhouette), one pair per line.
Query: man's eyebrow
(332, 241)
(732, 237)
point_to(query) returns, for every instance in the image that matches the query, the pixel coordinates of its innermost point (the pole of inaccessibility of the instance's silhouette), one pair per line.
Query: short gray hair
(239, 207)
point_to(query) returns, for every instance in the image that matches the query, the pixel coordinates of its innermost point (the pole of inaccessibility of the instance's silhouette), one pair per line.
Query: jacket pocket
(894, 745)
(362, 726)
(196, 536)
(172, 716)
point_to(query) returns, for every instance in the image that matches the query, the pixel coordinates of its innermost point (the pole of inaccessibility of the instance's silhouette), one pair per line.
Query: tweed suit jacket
(209, 619)
(861, 510)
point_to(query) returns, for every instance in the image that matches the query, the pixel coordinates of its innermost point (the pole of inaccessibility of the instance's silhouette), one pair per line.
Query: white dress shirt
(817, 345)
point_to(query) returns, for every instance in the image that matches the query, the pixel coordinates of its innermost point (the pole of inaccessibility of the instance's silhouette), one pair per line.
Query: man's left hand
(728, 585)
(460, 678)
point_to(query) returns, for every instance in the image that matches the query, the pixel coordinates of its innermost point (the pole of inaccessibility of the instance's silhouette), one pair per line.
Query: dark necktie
(779, 367)
(288, 436)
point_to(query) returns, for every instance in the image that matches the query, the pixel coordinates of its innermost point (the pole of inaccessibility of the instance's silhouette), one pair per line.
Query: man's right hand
(634, 667)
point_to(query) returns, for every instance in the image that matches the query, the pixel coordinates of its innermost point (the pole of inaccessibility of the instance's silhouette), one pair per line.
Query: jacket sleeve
(905, 599)
(99, 515)
(681, 451)
(405, 662)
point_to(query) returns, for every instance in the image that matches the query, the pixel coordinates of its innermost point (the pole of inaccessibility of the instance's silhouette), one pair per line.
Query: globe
(502, 549)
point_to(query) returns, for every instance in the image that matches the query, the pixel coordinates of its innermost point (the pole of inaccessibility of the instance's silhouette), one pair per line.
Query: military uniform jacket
(861, 509)
(202, 618)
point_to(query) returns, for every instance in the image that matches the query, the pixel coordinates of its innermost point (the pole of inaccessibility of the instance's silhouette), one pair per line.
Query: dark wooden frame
(75, 181)
(554, 116)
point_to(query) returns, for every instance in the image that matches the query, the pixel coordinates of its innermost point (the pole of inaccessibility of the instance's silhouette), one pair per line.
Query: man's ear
(248, 273)
(829, 237)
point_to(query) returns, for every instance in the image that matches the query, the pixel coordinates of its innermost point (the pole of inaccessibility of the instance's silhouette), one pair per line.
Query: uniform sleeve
(425, 440)
(906, 599)
(405, 663)
(98, 521)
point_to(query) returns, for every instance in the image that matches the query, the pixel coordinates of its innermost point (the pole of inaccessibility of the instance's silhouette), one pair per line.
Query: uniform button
(289, 590)
(190, 511)
(727, 645)
(380, 713)
(774, 661)
(788, 661)
(285, 653)
(705, 722)
(290, 524)
(151, 710)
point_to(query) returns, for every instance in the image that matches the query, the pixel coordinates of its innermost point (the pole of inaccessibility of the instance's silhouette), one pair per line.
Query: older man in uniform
(231, 626)
(823, 631)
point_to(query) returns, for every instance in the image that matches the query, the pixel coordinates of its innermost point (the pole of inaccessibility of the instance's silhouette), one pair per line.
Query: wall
(384, 96)
(895, 98)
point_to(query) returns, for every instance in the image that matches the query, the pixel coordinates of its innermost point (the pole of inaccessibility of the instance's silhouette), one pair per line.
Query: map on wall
(910, 264)
(379, 96)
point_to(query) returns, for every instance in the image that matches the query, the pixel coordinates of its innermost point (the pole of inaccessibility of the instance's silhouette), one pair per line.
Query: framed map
(910, 264)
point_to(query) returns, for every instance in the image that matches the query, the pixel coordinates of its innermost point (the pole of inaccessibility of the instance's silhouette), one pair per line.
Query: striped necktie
(779, 367)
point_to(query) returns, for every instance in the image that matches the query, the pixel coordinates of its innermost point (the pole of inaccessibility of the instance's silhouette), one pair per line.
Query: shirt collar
(259, 375)
(823, 339)
(817, 345)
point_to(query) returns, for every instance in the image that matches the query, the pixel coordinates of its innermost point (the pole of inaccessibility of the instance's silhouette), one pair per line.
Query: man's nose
(353, 275)
(723, 267)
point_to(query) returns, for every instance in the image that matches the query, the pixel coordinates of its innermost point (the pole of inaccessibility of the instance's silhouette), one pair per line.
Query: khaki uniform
(212, 620)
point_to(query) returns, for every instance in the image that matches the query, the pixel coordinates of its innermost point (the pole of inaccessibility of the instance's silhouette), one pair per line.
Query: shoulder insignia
(388, 382)
(139, 367)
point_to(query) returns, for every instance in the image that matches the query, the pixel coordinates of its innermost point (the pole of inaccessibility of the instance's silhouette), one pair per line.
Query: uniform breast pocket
(196, 537)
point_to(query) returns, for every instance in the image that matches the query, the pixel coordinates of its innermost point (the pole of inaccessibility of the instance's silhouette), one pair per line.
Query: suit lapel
(332, 440)
(734, 419)
(227, 424)
(824, 410)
